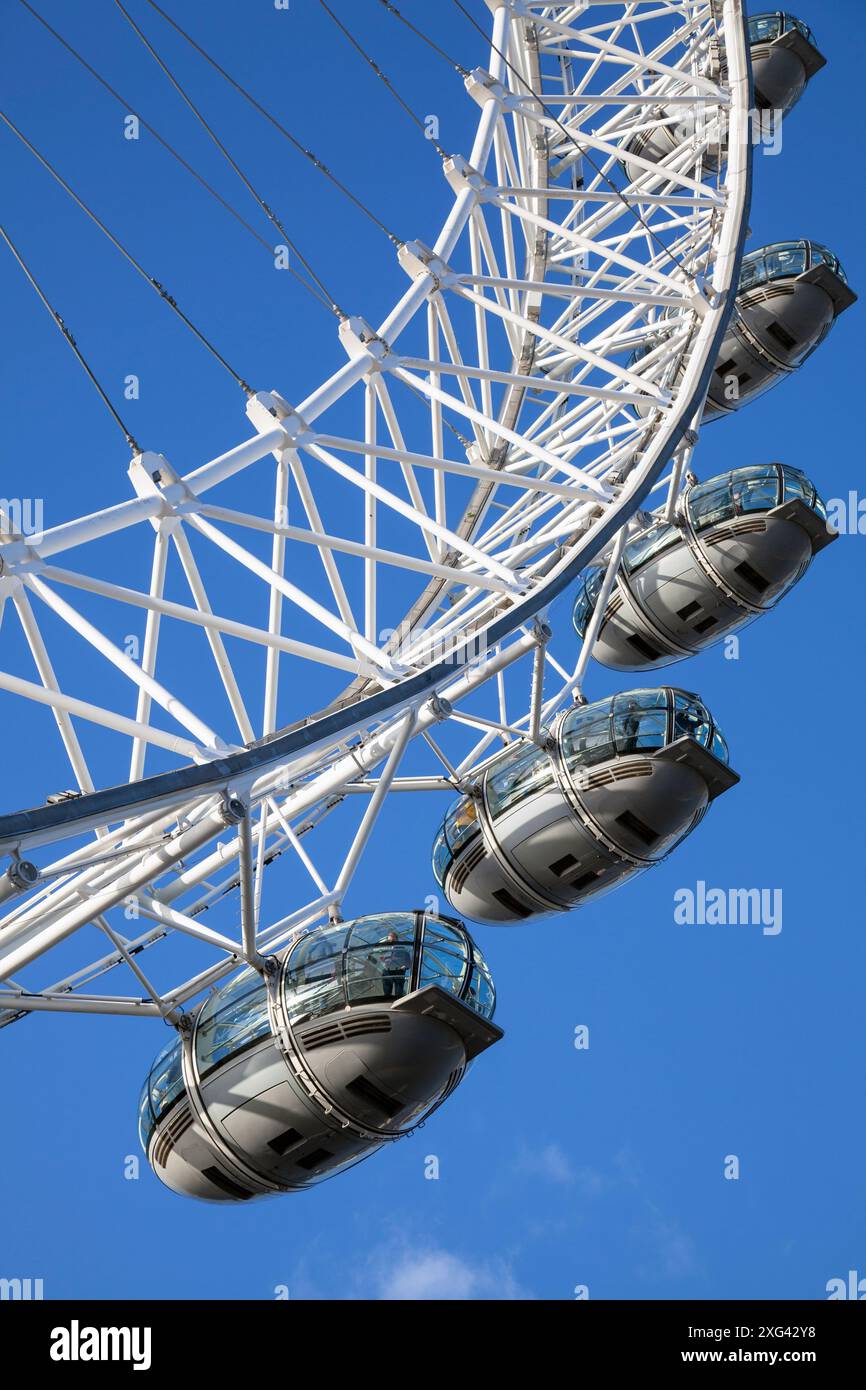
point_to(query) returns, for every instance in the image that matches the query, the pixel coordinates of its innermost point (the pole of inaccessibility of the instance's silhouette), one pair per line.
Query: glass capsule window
(442, 857)
(765, 28)
(444, 958)
(635, 722)
(480, 994)
(639, 721)
(821, 256)
(650, 543)
(719, 748)
(629, 723)
(460, 824)
(382, 958)
(754, 490)
(749, 490)
(231, 1020)
(783, 260)
(164, 1085)
(692, 720)
(515, 776)
(378, 957)
(588, 589)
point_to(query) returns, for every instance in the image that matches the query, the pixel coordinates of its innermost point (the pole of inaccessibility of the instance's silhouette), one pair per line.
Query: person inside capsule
(616, 786)
(738, 544)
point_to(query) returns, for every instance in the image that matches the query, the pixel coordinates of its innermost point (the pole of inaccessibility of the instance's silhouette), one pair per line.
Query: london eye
(353, 601)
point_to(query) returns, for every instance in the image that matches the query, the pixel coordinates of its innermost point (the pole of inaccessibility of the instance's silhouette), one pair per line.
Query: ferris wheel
(521, 425)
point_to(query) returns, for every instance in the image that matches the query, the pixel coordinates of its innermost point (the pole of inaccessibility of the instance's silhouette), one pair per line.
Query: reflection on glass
(587, 737)
(516, 775)
(754, 490)
(720, 747)
(164, 1085)
(442, 857)
(691, 719)
(379, 957)
(231, 1020)
(461, 822)
(747, 490)
(764, 28)
(637, 721)
(640, 721)
(820, 255)
(648, 545)
(710, 503)
(589, 588)
(481, 995)
(785, 259)
(384, 957)
(625, 724)
(444, 958)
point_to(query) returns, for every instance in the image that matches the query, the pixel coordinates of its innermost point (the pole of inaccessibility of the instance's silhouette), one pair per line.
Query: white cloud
(553, 1164)
(438, 1274)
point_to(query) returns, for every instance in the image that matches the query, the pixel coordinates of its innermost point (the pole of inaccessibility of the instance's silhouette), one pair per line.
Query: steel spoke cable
(145, 124)
(70, 340)
(268, 211)
(452, 62)
(574, 141)
(184, 163)
(268, 115)
(413, 116)
(115, 241)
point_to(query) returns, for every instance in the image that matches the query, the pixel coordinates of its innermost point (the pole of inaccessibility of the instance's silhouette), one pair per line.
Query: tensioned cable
(155, 284)
(268, 211)
(184, 163)
(392, 9)
(293, 140)
(69, 338)
(387, 81)
(674, 260)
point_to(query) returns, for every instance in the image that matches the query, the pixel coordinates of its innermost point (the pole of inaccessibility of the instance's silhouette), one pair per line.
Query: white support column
(372, 810)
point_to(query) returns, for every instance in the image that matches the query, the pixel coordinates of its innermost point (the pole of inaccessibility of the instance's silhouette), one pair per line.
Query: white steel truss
(503, 425)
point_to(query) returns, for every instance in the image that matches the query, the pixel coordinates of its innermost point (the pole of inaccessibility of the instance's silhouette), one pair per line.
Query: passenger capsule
(790, 295)
(740, 542)
(784, 59)
(363, 1031)
(619, 784)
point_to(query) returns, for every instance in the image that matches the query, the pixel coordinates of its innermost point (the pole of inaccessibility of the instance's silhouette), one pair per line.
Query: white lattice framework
(449, 480)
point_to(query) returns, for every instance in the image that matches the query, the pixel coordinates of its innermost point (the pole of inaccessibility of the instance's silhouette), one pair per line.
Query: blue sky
(558, 1167)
